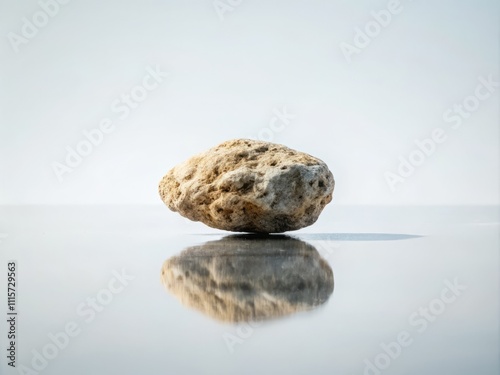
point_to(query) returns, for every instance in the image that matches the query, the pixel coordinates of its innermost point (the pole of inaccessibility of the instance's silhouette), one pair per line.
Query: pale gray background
(226, 77)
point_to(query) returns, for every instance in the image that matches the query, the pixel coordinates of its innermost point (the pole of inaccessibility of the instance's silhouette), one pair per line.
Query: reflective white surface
(387, 264)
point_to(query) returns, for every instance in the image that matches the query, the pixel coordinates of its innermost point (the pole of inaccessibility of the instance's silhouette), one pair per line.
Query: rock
(249, 186)
(243, 278)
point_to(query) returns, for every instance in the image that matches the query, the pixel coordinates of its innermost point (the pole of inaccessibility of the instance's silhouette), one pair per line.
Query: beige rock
(243, 278)
(249, 186)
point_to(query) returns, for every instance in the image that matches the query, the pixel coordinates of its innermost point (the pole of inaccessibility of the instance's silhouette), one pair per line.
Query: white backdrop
(354, 84)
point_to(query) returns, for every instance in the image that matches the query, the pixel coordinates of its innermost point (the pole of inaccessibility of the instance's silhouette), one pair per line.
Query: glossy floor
(366, 290)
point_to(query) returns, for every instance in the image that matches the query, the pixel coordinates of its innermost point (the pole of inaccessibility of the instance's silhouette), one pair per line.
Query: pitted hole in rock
(262, 195)
(261, 149)
(247, 186)
(310, 209)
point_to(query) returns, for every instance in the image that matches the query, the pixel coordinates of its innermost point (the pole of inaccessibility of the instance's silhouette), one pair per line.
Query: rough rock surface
(239, 278)
(249, 186)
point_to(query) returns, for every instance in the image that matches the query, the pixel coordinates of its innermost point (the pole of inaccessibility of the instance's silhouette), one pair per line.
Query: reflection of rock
(243, 278)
